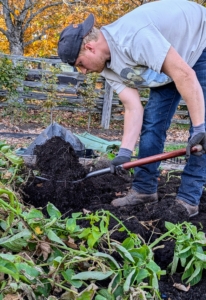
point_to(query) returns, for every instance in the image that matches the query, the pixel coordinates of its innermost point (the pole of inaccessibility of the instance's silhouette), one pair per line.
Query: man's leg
(194, 174)
(158, 112)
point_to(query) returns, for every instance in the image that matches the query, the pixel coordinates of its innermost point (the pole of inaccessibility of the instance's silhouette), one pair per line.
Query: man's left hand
(199, 138)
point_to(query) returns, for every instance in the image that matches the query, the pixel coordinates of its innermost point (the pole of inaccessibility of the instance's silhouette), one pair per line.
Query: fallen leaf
(12, 297)
(71, 243)
(181, 287)
(7, 175)
(45, 249)
(85, 211)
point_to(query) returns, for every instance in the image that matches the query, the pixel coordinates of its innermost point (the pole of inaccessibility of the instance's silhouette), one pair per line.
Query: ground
(57, 162)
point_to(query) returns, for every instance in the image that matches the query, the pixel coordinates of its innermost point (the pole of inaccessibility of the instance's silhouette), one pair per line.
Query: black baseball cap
(71, 39)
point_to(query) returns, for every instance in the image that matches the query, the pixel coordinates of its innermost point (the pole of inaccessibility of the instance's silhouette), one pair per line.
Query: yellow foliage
(57, 17)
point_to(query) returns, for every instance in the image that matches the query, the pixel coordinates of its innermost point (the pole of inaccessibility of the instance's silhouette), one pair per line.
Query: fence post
(107, 106)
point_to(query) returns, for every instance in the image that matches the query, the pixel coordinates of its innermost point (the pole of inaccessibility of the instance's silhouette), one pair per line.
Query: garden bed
(57, 161)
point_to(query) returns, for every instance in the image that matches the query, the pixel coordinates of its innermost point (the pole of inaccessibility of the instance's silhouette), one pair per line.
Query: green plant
(189, 251)
(12, 76)
(60, 247)
(11, 165)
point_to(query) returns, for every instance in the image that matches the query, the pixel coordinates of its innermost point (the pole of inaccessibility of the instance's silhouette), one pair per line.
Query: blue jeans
(158, 113)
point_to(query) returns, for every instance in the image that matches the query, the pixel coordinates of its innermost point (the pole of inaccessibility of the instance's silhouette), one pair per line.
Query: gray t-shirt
(139, 42)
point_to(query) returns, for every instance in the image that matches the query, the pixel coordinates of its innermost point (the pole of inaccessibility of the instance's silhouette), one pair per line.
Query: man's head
(84, 46)
(71, 38)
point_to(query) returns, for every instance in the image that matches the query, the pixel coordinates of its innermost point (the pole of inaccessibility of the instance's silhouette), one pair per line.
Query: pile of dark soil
(58, 162)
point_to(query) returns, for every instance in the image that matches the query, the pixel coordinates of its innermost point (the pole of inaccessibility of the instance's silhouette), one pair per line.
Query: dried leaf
(45, 249)
(85, 211)
(12, 297)
(181, 287)
(71, 243)
(7, 175)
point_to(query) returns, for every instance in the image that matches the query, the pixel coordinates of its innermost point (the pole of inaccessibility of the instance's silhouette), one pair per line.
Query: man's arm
(187, 84)
(133, 117)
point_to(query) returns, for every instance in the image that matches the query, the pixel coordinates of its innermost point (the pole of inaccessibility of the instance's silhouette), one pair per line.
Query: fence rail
(107, 102)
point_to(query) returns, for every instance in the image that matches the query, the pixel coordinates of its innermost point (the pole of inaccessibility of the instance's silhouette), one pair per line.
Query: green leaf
(34, 214)
(155, 284)
(99, 297)
(141, 253)
(103, 227)
(43, 289)
(127, 283)
(107, 256)
(196, 279)
(104, 294)
(196, 274)
(121, 229)
(84, 233)
(95, 275)
(53, 211)
(128, 243)
(54, 238)
(71, 225)
(87, 295)
(92, 239)
(174, 264)
(169, 226)
(142, 274)
(10, 269)
(123, 252)
(115, 282)
(153, 266)
(68, 277)
(14, 159)
(8, 257)
(17, 241)
(185, 252)
(5, 148)
(76, 215)
(201, 256)
(187, 273)
(28, 271)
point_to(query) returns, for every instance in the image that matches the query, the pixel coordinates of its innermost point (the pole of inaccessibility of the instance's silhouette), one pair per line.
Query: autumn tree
(19, 18)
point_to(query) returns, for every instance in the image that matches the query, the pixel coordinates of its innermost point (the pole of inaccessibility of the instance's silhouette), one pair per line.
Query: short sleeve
(114, 80)
(149, 48)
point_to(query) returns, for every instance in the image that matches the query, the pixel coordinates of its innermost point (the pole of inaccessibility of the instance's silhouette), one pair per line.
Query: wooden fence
(107, 102)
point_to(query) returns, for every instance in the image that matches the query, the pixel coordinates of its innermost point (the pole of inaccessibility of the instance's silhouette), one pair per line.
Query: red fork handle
(158, 157)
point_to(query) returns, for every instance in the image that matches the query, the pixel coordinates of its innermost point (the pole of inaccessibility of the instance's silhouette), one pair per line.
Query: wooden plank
(38, 85)
(107, 106)
(43, 96)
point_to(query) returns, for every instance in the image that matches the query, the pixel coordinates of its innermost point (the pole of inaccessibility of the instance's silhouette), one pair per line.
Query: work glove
(124, 155)
(198, 137)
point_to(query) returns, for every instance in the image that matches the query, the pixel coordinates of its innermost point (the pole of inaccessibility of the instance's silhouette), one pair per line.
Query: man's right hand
(123, 156)
(117, 161)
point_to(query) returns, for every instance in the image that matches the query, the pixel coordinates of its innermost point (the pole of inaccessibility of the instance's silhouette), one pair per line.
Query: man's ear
(89, 46)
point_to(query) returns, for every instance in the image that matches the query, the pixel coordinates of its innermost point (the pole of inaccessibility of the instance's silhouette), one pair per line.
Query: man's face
(89, 62)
